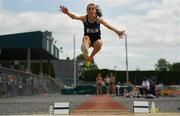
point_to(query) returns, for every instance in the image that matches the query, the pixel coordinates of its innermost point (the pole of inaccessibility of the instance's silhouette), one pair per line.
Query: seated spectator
(152, 88)
(148, 87)
(145, 87)
(126, 93)
(134, 92)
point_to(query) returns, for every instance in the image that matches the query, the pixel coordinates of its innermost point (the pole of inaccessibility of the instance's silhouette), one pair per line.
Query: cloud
(152, 34)
(27, 21)
(26, 1)
(158, 26)
(34, 1)
(117, 3)
(146, 5)
(0, 4)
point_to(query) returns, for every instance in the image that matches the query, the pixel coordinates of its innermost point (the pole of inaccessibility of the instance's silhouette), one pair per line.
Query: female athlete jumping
(92, 32)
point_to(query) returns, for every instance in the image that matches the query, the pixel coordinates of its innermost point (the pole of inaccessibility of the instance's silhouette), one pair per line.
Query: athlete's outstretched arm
(120, 33)
(71, 15)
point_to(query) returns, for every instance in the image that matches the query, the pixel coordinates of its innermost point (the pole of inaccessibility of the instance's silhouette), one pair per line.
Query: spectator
(44, 88)
(14, 85)
(148, 87)
(118, 86)
(126, 93)
(145, 87)
(134, 92)
(9, 86)
(20, 86)
(113, 84)
(24, 88)
(29, 86)
(152, 87)
(99, 81)
(107, 82)
(32, 86)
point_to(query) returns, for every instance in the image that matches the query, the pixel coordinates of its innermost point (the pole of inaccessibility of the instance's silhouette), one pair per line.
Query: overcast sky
(153, 28)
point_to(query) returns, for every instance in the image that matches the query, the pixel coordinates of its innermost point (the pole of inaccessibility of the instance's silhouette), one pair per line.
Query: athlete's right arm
(71, 15)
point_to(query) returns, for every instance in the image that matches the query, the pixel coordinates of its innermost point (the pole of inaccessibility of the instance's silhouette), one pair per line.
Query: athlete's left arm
(109, 26)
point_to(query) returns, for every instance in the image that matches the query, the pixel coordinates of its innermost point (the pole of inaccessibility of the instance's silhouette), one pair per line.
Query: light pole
(127, 73)
(74, 60)
(115, 70)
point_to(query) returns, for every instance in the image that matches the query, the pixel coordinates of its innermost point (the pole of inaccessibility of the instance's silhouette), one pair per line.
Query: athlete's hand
(64, 9)
(121, 34)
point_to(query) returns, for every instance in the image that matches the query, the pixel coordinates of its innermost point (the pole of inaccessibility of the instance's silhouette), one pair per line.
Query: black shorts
(93, 38)
(99, 84)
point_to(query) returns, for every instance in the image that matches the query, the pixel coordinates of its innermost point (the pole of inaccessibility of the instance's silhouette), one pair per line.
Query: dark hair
(98, 10)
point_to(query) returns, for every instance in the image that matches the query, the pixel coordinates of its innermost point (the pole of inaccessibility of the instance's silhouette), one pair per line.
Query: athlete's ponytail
(98, 11)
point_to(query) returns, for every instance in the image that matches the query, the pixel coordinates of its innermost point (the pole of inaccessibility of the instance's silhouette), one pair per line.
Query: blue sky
(152, 26)
(75, 5)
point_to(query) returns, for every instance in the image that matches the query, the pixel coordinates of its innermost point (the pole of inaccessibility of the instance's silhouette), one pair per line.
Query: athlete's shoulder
(100, 19)
(83, 18)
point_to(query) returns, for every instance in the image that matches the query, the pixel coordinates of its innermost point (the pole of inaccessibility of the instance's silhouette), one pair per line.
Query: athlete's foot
(89, 59)
(88, 63)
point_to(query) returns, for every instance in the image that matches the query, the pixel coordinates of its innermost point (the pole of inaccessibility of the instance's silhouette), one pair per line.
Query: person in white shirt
(145, 87)
(146, 84)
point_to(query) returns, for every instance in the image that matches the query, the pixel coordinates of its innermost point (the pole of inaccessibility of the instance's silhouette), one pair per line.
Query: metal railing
(19, 83)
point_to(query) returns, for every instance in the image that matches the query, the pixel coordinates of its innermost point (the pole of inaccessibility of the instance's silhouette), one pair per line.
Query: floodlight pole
(74, 60)
(127, 73)
(28, 60)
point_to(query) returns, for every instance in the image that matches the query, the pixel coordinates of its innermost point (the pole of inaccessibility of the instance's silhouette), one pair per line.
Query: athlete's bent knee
(98, 44)
(86, 38)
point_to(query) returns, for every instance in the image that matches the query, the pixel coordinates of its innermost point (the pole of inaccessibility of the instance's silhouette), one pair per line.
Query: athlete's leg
(97, 47)
(85, 46)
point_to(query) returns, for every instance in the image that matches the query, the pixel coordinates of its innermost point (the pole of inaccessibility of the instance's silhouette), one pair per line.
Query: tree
(82, 62)
(162, 65)
(83, 66)
(137, 68)
(175, 66)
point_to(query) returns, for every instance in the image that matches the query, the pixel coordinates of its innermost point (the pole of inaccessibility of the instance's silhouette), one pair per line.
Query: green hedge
(83, 89)
(136, 77)
(89, 89)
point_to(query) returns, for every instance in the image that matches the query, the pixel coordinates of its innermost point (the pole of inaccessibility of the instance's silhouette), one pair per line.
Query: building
(28, 46)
